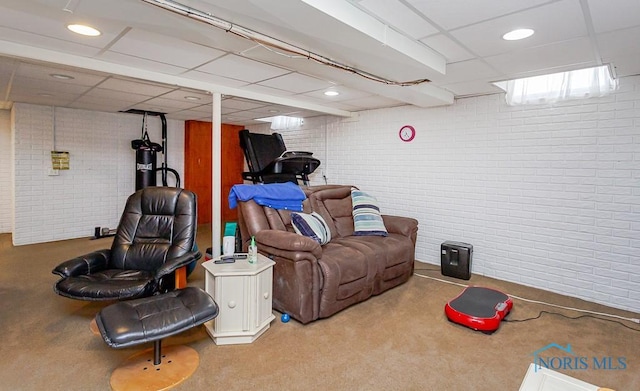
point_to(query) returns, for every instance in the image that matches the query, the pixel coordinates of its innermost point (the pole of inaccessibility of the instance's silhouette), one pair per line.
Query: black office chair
(156, 237)
(269, 161)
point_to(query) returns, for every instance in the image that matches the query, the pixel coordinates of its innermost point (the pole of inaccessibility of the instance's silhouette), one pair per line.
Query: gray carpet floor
(400, 340)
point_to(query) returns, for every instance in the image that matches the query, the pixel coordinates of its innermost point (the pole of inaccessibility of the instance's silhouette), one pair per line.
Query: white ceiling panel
(215, 79)
(621, 41)
(241, 68)
(451, 14)
(297, 83)
(562, 56)
(472, 88)
(549, 22)
(135, 87)
(448, 48)
(142, 63)
(614, 15)
(27, 38)
(189, 96)
(397, 14)
(163, 49)
(44, 72)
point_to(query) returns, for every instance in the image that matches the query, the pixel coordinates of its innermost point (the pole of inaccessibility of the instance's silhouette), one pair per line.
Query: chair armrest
(287, 244)
(405, 226)
(84, 264)
(173, 264)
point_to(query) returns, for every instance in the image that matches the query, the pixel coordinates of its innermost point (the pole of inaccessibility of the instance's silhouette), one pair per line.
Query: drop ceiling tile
(471, 88)
(241, 68)
(267, 90)
(181, 95)
(396, 14)
(619, 42)
(164, 49)
(614, 15)
(102, 105)
(52, 85)
(372, 101)
(447, 48)
(452, 14)
(346, 93)
(101, 94)
(553, 22)
(136, 87)
(296, 83)
(558, 57)
(41, 22)
(215, 79)
(141, 63)
(173, 105)
(44, 72)
(44, 42)
(242, 104)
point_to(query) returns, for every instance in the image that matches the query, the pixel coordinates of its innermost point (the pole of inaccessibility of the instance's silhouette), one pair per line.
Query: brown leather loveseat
(311, 281)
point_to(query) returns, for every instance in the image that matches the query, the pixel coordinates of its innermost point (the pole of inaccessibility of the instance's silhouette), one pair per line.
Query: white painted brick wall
(5, 171)
(102, 169)
(548, 196)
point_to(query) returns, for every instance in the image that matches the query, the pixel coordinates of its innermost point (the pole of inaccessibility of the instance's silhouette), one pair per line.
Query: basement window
(557, 87)
(283, 122)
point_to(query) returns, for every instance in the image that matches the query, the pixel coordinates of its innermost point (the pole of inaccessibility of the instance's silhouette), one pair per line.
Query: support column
(216, 174)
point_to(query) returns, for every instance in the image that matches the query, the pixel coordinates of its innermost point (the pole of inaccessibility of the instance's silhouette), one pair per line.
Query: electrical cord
(591, 313)
(568, 317)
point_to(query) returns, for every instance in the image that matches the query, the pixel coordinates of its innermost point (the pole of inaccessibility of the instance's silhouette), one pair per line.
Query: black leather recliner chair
(155, 237)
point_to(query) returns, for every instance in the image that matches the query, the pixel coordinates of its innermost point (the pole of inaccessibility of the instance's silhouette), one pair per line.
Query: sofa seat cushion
(345, 283)
(393, 256)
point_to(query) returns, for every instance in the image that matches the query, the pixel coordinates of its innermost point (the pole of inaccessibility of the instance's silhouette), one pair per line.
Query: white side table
(243, 294)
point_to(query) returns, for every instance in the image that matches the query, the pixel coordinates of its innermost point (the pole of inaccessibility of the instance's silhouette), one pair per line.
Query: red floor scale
(479, 308)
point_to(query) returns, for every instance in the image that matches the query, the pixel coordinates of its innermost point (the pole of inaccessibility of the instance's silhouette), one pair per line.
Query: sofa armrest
(405, 226)
(84, 264)
(287, 244)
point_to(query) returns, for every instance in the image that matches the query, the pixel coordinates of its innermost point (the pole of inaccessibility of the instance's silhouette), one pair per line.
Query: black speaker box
(455, 259)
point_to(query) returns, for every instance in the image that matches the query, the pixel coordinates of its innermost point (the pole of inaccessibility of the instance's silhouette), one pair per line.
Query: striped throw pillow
(311, 225)
(366, 215)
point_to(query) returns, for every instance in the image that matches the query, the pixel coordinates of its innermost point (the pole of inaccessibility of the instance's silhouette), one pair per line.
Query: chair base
(138, 372)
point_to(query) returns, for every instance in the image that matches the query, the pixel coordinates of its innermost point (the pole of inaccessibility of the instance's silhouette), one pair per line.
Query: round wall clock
(407, 133)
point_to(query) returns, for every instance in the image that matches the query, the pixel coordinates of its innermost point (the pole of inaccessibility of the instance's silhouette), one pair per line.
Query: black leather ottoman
(149, 319)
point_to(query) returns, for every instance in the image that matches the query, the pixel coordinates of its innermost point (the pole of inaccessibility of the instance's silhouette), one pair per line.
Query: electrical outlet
(53, 172)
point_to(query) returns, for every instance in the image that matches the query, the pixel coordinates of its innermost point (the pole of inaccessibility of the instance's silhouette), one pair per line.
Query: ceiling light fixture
(45, 95)
(331, 93)
(193, 98)
(518, 34)
(60, 76)
(84, 30)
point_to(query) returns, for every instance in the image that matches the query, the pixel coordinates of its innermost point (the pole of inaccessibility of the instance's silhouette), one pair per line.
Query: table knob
(232, 304)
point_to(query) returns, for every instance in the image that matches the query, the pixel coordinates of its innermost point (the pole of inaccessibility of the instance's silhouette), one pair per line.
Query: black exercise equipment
(270, 162)
(146, 154)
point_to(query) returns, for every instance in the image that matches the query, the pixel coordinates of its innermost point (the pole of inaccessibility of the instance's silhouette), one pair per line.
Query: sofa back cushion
(333, 203)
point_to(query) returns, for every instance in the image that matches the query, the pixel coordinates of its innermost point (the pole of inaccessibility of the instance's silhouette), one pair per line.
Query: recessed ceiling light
(84, 30)
(331, 93)
(45, 95)
(191, 98)
(518, 34)
(273, 111)
(60, 76)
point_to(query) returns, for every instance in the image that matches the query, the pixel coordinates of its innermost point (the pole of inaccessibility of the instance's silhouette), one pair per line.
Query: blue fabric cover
(366, 215)
(274, 195)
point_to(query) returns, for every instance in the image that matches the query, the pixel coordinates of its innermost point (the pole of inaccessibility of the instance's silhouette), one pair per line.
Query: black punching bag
(145, 167)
